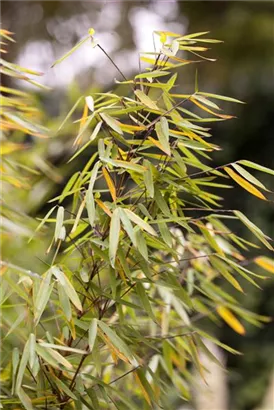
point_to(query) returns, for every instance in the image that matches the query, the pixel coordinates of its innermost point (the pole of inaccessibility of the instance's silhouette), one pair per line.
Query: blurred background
(45, 30)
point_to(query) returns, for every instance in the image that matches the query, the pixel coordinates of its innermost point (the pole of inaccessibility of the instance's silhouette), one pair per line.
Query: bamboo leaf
(92, 333)
(114, 236)
(64, 301)
(59, 223)
(148, 178)
(265, 263)
(140, 222)
(146, 100)
(256, 166)
(248, 176)
(90, 103)
(25, 399)
(67, 286)
(230, 319)
(96, 131)
(162, 131)
(42, 296)
(110, 183)
(145, 300)
(127, 226)
(245, 184)
(22, 367)
(116, 340)
(112, 123)
(71, 51)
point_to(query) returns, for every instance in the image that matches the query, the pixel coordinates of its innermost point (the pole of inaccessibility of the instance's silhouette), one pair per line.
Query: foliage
(139, 251)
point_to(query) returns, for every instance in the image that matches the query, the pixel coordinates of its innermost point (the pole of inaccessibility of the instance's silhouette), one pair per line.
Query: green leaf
(146, 100)
(116, 340)
(96, 131)
(70, 113)
(162, 131)
(15, 362)
(67, 286)
(42, 296)
(59, 223)
(140, 222)
(256, 166)
(32, 355)
(141, 244)
(127, 226)
(61, 347)
(25, 400)
(152, 74)
(44, 220)
(125, 164)
(112, 123)
(254, 229)
(53, 358)
(248, 176)
(92, 333)
(22, 366)
(63, 387)
(71, 51)
(114, 236)
(148, 178)
(221, 97)
(90, 205)
(64, 301)
(144, 300)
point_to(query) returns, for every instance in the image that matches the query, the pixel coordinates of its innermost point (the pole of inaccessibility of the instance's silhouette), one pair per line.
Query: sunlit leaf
(230, 319)
(245, 184)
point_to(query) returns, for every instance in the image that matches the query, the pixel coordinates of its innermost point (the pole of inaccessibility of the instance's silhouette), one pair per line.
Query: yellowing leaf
(245, 184)
(203, 107)
(230, 319)
(9, 147)
(110, 183)
(265, 263)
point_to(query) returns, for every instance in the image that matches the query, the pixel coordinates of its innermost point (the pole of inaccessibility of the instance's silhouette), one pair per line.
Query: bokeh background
(44, 30)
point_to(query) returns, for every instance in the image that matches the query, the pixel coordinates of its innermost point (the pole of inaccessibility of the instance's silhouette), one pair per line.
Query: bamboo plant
(142, 249)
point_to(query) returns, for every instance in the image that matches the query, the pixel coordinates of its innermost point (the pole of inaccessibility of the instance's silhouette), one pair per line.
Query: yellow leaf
(110, 184)
(9, 147)
(203, 107)
(231, 320)
(83, 119)
(265, 263)
(245, 184)
(104, 207)
(146, 396)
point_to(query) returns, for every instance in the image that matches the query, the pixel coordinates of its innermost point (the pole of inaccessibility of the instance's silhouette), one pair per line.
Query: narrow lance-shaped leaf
(145, 300)
(230, 319)
(110, 184)
(116, 340)
(256, 166)
(112, 123)
(22, 366)
(71, 51)
(67, 286)
(245, 184)
(92, 333)
(146, 100)
(162, 131)
(59, 223)
(114, 236)
(148, 178)
(127, 226)
(248, 176)
(140, 222)
(42, 296)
